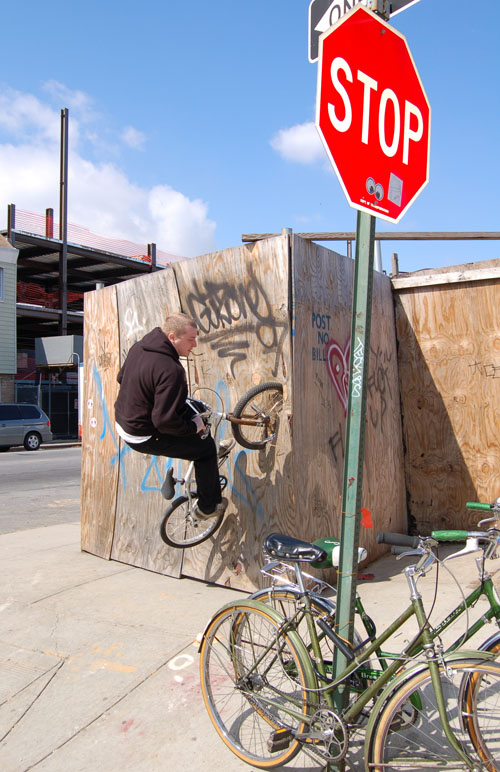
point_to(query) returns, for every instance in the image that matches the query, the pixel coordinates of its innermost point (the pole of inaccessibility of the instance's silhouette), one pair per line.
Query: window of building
(1, 283)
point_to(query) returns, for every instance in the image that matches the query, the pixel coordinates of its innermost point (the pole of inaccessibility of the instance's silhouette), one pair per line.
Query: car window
(9, 412)
(29, 411)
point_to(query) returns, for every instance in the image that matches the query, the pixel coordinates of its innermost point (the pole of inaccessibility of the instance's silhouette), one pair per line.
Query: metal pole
(11, 222)
(355, 435)
(63, 225)
(152, 255)
(395, 263)
(49, 223)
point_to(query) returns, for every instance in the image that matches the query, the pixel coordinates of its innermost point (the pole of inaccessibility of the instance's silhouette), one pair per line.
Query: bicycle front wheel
(264, 403)
(409, 735)
(180, 528)
(254, 681)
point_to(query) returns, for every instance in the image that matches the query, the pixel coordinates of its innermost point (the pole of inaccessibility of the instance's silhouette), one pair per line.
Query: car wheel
(32, 441)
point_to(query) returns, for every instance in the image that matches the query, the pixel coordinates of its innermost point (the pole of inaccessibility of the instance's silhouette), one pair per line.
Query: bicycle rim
(244, 664)
(264, 400)
(481, 716)
(409, 735)
(179, 528)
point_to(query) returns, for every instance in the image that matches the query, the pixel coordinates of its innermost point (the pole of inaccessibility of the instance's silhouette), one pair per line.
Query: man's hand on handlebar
(200, 424)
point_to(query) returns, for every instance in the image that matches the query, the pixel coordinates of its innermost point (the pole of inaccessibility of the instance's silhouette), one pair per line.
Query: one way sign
(324, 13)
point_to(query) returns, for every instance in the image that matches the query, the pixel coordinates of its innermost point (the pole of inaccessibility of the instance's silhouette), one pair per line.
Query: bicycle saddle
(277, 545)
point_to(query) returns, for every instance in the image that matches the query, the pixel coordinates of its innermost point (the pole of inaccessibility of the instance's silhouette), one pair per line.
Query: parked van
(23, 425)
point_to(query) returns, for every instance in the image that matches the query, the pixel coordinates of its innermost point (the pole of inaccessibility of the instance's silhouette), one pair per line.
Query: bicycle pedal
(168, 487)
(279, 740)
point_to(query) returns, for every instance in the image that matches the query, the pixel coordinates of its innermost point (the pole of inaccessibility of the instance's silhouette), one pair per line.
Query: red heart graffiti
(337, 361)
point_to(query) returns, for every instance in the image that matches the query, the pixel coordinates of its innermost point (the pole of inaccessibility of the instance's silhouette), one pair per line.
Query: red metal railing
(45, 225)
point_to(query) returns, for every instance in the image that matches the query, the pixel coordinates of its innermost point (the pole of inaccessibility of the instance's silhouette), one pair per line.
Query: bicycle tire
(266, 398)
(492, 644)
(179, 529)
(407, 737)
(472, 686)
(245, 661)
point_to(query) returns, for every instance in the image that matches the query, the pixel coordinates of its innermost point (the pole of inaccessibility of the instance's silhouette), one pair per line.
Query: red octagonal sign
(372, 114)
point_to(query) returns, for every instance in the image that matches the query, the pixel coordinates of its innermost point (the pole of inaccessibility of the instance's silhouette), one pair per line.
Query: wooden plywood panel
(323, 308)
(143, 303)
(239, 298)
(449, 365)
(100, 449)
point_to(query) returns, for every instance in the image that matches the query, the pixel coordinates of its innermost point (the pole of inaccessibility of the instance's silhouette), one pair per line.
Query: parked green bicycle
(270, 692)
(284, 593)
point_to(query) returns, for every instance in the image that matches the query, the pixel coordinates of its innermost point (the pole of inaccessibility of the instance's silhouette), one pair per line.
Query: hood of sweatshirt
(157, 341)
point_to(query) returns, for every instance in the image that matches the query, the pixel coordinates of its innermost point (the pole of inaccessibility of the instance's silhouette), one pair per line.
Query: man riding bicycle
(151, 413)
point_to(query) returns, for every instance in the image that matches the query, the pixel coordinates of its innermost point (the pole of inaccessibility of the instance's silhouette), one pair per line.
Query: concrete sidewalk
(99, 663)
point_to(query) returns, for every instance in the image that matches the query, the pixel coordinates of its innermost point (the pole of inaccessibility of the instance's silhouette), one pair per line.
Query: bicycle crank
(328, 735)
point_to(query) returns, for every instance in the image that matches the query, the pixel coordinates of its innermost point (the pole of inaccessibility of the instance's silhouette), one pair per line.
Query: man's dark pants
(190, 447)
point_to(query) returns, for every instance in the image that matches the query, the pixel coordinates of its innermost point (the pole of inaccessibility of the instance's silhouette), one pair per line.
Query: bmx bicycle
(254, 425)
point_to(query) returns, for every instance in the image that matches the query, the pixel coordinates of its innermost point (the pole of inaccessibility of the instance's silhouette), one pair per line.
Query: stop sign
(372, 114)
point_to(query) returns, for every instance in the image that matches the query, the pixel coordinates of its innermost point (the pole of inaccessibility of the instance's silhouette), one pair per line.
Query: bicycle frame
(485, 589)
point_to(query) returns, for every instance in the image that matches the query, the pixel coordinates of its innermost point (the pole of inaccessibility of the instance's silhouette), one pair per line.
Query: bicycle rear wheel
(251, 673)
(264, 401)
(409, 735)
(180, 528)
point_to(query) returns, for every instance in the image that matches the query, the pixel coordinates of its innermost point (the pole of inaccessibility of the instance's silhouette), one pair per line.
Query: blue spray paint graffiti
(106, 426)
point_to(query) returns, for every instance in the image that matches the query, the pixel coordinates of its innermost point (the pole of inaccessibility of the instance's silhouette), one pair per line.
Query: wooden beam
(388, 236)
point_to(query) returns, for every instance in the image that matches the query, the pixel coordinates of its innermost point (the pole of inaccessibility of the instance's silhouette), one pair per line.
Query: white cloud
(24, 116)
(169, 207)
(101, 197)
(300, 143)
(76, 101)
(133, 138)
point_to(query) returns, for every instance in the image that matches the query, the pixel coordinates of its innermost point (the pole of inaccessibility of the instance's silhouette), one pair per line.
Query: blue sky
(193, 122)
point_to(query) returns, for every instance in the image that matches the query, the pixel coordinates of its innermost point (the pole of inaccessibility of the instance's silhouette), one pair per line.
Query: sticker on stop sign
(372, 114)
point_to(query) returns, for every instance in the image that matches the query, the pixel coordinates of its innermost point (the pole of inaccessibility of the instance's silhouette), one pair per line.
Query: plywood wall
(448, 329)
(100, 448)
(239, 298)
(322, 292)
(275, 310)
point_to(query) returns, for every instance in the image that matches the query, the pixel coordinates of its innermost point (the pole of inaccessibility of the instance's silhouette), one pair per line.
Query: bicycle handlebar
(480, 505)
(398, 539)
(451, 535)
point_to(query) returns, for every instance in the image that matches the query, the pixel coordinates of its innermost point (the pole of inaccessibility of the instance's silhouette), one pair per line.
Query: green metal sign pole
(354, 441)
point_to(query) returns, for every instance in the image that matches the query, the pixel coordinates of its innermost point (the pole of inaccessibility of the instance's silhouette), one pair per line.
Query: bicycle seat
(284, 547)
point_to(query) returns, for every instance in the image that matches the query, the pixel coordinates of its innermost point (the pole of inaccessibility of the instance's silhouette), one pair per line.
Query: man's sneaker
(225, 447)
(218, 511)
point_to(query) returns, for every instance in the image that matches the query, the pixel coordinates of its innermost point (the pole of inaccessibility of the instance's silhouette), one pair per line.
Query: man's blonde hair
(177, 324)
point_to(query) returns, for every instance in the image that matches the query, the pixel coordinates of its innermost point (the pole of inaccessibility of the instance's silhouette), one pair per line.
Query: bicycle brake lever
(408, 554)
(471, 545)
(487, 520)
